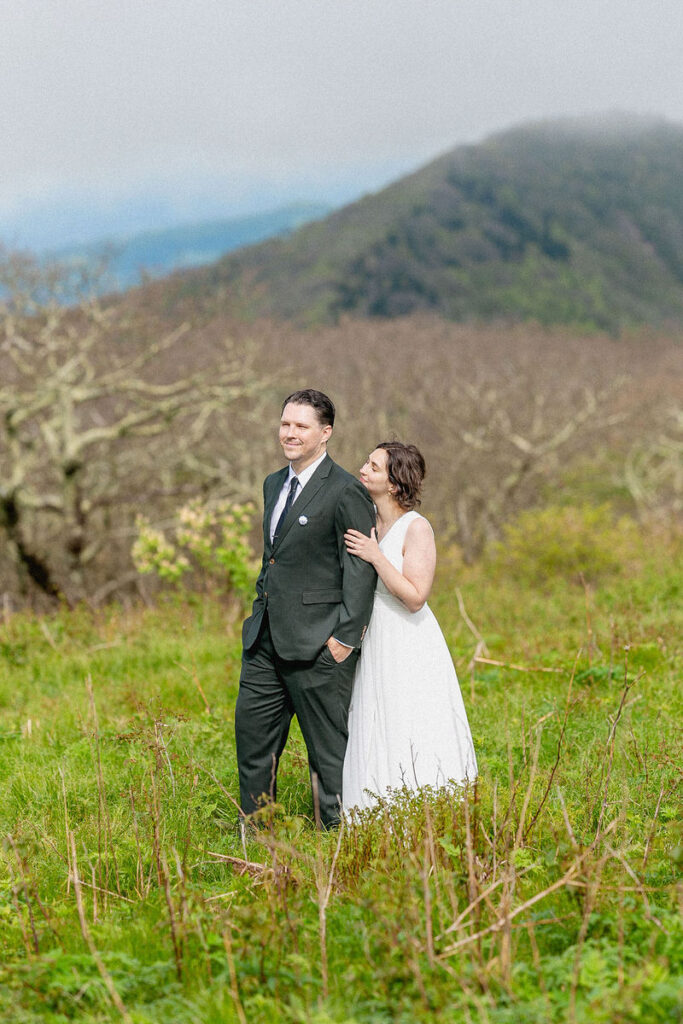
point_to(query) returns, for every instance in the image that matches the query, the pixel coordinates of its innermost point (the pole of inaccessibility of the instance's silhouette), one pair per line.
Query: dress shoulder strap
(404, 522)
(408, 518)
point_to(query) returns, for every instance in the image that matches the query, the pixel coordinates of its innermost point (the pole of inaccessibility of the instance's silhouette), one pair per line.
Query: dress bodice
(391, 544)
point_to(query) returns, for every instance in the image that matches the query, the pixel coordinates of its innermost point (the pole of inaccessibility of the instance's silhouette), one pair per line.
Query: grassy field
(549, 892)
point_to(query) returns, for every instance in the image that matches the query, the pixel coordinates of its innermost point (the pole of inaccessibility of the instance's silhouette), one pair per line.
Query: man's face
(302, 437)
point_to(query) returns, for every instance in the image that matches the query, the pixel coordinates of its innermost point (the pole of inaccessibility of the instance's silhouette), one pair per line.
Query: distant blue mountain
(157, 253)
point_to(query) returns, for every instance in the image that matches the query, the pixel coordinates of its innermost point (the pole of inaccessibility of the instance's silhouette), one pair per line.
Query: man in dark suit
(312, 607)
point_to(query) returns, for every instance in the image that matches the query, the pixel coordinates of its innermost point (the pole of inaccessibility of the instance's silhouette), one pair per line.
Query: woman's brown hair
(406, 470)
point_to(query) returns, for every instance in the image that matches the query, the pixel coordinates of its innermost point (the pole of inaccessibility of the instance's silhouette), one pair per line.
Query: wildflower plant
(208, 538)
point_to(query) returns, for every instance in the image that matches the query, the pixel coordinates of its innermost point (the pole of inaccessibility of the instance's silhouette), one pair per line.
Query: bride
(407, 721)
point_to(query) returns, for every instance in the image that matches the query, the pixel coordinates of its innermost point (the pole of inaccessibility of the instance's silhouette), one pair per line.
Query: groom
(313, 603)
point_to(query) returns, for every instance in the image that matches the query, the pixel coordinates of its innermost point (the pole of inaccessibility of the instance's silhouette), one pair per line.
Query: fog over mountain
(576, 221)
(121, 118)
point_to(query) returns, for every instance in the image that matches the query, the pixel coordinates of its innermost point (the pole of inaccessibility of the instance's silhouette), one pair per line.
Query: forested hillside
(570, 222)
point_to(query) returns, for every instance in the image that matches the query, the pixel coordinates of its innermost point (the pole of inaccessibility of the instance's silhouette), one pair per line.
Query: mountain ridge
(156, 253)
(575, 221)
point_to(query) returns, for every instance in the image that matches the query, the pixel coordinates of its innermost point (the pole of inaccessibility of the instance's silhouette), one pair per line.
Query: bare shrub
(500, 413)
(103, 409)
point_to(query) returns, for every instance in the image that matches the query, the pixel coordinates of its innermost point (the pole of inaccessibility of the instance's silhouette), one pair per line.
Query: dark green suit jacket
(310, 585)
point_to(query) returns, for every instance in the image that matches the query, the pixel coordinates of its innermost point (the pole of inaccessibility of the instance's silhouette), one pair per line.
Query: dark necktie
(288, 504)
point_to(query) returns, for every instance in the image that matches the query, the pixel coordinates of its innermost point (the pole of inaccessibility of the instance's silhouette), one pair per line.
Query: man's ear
(327, 431)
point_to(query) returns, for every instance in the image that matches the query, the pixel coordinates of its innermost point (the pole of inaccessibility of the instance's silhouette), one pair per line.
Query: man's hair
(323, 405)
(406, 471)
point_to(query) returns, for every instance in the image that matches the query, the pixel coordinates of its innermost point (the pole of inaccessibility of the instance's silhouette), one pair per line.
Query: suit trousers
(272, 690)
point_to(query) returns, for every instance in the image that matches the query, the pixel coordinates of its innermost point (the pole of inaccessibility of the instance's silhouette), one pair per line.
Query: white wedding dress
(407, 720)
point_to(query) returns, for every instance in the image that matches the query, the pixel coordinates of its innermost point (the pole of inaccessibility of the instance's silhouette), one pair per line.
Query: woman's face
(373, 473)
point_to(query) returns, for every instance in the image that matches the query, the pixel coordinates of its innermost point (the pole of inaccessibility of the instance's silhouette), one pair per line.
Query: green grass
(550, 892)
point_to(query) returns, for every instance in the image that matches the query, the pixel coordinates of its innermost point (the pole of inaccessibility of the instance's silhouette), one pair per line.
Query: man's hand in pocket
(339, 652)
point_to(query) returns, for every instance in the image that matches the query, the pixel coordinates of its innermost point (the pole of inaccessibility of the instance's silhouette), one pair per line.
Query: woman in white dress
(407, 721)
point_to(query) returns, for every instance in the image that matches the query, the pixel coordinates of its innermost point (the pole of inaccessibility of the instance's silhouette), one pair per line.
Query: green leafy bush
(211, 539)
(566, 542)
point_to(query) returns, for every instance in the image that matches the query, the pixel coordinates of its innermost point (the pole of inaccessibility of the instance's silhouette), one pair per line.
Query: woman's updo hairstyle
(406, 471)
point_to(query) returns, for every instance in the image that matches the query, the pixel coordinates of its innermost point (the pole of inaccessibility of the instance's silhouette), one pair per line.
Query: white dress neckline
(400, 519)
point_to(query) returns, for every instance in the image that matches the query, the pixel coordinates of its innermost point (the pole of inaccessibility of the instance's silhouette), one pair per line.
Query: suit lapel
(271, 501)
(306, 497)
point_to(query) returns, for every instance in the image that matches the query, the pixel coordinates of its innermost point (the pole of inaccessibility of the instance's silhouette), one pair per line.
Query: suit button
(272, 561)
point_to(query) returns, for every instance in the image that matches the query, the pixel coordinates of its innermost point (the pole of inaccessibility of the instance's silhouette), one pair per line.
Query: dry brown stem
(234, 987)
(504, 920)
(85, 931)
(174, 925)
(323, 882)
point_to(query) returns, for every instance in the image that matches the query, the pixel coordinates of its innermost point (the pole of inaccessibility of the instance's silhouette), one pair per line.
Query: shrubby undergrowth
(567, 542)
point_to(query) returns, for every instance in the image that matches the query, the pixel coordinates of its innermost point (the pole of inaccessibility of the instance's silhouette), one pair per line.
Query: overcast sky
(187, 108)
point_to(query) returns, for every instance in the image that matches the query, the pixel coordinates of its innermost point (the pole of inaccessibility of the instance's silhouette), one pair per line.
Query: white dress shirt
(303, 477)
